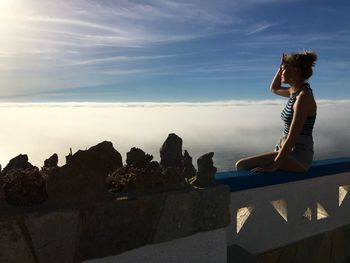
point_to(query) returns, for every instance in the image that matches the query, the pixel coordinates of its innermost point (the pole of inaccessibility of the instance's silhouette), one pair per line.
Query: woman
(294, 151)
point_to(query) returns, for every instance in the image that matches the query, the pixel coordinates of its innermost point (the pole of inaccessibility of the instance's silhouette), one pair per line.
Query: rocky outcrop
(83, 177)
(188, 169)
(142, 175)
(19, 162)
(206, 170)
(51, 162)
(171, 151)
(24, 187)
(87, 174)
(138, 158)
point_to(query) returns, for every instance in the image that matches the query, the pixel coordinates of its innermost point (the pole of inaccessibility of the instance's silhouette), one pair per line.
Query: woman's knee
(240, 164)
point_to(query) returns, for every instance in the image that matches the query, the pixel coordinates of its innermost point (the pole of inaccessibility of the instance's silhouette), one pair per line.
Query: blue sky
(108, 51)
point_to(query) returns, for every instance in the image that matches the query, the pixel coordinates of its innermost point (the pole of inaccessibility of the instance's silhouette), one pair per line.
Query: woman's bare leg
(265, 159)
(257, 160)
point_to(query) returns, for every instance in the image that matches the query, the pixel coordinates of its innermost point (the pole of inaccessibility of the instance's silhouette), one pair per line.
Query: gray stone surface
(188, 212)
(203, 247)
(237, 254)
(115, 227)
(50, 233)
(14, 247)
(214, 207)
(180, 216)
(54, 235)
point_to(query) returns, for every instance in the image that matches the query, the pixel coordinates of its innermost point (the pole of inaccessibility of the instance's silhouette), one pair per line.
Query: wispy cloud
(119, 59)
(123, 71)
(258, 28)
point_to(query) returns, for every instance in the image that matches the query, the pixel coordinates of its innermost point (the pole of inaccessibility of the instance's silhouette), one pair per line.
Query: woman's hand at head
(282, 59)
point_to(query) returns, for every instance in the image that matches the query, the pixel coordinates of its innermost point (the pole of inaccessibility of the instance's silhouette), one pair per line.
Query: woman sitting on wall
(294, 150)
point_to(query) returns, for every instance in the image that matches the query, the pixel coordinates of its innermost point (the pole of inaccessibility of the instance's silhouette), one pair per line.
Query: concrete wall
(329, 247)
(273, 216)
(205, 247)
(175, 226)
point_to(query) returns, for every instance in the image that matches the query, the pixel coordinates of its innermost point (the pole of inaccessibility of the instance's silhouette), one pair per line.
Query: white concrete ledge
(204, 247)
(268, 217)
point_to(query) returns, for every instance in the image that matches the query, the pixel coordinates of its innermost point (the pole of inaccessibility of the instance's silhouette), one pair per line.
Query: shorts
(303, 150)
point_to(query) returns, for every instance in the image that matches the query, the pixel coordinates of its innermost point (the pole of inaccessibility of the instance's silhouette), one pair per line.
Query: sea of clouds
(231, 129)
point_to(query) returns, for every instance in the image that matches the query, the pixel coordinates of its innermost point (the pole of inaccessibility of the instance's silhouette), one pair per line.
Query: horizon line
(161, 103)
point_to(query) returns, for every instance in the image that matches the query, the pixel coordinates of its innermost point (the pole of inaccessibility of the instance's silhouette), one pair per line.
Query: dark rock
(24, 187)
(206, 170)
(171, 151)
(69, 156)
(138, 158)
(19, 162)
(83, 177)
(188, 169)
(2, 194)
(51, 162)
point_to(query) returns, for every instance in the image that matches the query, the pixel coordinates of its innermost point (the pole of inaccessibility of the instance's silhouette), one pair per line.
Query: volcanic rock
(188, 170)
(19, 162)
(138, 158)
(83, 178)
(206, 170)
(24, 187)
(2, 193)
(51, 162)
(171, 151)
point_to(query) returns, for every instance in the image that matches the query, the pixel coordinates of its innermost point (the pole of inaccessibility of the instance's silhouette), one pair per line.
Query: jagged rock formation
(51, 162)
(142, 175)
(24, 187)
(171, 151)
(138, 158)
(19, 162)
(206, 170)
(95, 173)
(188, 169)
(2, 193)
(83, 177)
(21, 183)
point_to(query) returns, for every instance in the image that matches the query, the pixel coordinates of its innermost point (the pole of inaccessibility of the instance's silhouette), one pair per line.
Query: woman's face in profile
(288, 73)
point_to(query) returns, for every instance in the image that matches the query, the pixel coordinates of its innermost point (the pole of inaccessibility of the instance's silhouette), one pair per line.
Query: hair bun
(311, 57)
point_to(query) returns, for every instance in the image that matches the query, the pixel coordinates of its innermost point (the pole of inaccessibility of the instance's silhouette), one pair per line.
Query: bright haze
(73, 73)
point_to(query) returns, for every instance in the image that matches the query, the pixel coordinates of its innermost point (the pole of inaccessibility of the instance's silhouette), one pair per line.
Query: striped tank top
(287, 115)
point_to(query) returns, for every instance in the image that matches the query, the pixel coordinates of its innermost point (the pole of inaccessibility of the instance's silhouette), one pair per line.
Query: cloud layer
(231, 129)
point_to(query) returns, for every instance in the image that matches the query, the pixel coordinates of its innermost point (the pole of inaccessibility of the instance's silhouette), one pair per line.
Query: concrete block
(54, 235)
(324, 253)
(14, 244)
(338, 252)
(179, 217)
(237, 254)
(307, 249)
